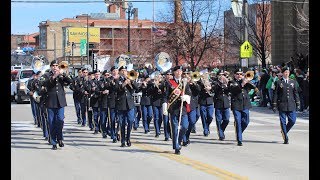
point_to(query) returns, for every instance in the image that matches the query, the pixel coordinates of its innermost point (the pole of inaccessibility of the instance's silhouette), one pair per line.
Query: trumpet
(63, 65)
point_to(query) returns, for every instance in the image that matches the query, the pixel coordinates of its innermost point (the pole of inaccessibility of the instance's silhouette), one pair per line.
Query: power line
(97, 1)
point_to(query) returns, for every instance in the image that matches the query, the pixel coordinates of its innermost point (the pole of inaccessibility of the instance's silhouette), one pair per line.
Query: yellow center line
(223, 174)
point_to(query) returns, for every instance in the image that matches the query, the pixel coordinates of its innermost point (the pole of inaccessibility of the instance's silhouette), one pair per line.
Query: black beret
(53, 62)
(176, 68)
(84, 69)
(90, 73)
(169, 71)
(284, 69)
(38, 72)
(95, 71)
(105, 71)
(122, 67)
(186, 71)
(238, 70)
(112, 68)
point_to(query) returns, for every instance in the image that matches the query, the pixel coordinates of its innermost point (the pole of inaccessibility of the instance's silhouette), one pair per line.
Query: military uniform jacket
(76, 93)
(195, 90)
(94, 92)
(56, 95)
(112, 92)
(239, 95)
(221, 95)
(82, 86)
(103, 84)
(30, 85)
(285, 95)
(174, 109)
(124, 98)
(146, 94)
(157, 94)
(205, 98)
(41, 90)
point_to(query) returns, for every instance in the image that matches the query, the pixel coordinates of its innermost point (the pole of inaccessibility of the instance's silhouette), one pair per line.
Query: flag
(159, 32)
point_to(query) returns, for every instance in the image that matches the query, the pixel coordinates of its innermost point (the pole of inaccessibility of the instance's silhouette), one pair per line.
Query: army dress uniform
(125, 106)
(55, 103)
(286, 100)
(146, 106)
(240, 104)
(222, 105)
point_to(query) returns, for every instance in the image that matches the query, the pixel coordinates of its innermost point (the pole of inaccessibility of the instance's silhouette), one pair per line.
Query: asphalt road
(89, 156)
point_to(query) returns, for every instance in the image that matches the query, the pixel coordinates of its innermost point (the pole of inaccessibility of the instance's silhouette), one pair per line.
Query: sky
(25, 17)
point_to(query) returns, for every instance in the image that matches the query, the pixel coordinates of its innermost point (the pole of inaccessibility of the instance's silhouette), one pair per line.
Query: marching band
(175, 99)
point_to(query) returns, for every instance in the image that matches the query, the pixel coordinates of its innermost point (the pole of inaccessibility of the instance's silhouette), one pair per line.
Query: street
(263, 155)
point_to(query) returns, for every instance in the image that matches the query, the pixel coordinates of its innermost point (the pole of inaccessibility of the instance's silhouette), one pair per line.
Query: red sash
(174, 84)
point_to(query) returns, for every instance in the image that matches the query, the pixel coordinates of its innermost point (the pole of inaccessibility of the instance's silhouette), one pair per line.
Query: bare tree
(302, 26)
(259, 31)
(191, 38)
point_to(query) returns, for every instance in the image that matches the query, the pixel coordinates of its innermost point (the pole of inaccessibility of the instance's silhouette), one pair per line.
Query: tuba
(163, 62)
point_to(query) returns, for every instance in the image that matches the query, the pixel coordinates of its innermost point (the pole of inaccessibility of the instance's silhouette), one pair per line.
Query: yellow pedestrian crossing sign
(246, 50)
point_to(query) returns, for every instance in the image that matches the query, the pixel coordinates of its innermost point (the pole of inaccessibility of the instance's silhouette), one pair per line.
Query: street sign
(244, 62)
(83, 47)
(246, 50)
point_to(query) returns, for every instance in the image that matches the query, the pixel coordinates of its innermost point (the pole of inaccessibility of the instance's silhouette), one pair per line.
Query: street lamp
(130, 12)
(54, 45)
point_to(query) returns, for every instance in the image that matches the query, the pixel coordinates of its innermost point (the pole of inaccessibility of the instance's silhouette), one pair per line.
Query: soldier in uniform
(103, 91)
(221, 103)
(125, 104)
(38, 87)
(32, 102)
(240, 102)
(112, 95)
(55, 102)
(286, 99)
(76, 96)
(82, 87)
(157, 92)
(178, 99)
(192, 115)
(145, 103)
(95, 102)
(206, 103)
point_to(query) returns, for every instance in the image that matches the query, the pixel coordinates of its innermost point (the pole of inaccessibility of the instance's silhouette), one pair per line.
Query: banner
(76, 34)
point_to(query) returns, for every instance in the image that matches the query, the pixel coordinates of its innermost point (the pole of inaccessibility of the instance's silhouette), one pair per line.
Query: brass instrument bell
(249, 75)
(195, 76)
(132, 75)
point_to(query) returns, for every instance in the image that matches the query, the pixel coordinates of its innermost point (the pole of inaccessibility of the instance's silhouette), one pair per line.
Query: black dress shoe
(60, 143)
(193, 131)
(54, 147)
(239, 143)
(286, 141)
(157, 135)
(145, 131)
(221, 138)
(114, 141)
(122, 145)
(177, 151)
(129, 143)
(104, 135)
(166, 139)
(186, 143)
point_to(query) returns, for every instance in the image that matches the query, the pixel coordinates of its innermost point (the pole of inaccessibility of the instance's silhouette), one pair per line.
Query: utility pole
(87, 39)
(245, 19)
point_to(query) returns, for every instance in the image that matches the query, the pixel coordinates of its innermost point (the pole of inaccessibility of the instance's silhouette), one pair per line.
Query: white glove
(165, 109)
(186, 98)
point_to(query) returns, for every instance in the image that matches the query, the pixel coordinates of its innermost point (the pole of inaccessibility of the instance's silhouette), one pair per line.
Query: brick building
(113, 29)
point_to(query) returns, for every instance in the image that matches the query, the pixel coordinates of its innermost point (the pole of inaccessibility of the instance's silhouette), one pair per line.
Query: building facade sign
(76, 34)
